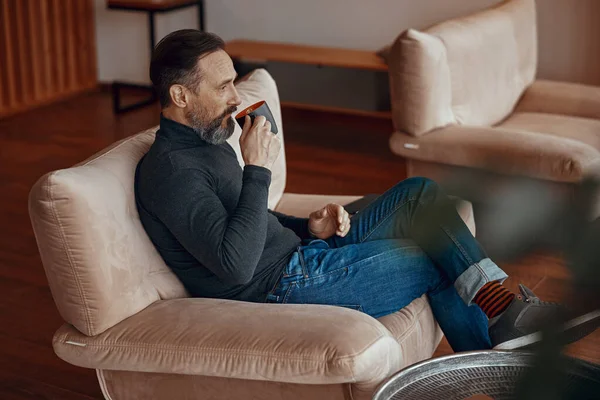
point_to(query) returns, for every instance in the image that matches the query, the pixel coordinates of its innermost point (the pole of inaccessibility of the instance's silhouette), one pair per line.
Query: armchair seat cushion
(583, 130)
(566, 98)
(301, 205)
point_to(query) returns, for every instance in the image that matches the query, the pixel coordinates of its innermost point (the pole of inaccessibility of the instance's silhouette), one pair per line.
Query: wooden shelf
(257, 51)
(302, 54)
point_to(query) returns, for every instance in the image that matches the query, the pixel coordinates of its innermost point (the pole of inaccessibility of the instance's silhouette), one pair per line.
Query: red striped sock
(493, 298)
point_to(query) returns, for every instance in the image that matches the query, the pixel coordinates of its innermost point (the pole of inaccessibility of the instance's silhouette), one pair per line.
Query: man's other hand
(331, 219)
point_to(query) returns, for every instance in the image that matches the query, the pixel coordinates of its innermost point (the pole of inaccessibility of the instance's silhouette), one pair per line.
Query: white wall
(122, 43)
(569, 30)
(569, 40)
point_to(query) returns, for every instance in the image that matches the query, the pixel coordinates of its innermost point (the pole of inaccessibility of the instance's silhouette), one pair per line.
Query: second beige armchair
(465, 96)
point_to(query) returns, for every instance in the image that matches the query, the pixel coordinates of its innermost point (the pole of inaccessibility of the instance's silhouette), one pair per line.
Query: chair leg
(118, 108)
(117, 86)
(201, 22)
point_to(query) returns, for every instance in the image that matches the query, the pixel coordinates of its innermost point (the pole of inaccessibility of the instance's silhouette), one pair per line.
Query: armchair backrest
(99, 261)
(468, 71)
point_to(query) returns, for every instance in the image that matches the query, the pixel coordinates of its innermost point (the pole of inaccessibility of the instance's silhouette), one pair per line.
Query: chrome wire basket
(491, 373)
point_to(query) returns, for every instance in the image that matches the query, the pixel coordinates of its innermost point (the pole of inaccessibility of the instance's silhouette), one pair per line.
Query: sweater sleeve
(298, 225)
(230, 246)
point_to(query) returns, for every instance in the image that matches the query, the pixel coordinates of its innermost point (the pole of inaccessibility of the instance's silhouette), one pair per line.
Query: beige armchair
(128, 317)
(465, 96)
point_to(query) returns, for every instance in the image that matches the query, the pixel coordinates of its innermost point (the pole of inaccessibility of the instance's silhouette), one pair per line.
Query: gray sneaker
(521, 324)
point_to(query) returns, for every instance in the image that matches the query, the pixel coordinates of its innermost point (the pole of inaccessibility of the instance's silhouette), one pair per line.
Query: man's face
(214, 99)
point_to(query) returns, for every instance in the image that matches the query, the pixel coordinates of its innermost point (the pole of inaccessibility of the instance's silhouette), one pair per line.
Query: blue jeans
(408, 242)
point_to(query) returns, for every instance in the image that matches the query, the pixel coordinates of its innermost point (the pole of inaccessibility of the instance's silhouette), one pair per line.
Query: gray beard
(213, 133)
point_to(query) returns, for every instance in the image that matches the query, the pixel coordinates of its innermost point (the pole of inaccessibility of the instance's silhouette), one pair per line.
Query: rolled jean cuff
(469, 282)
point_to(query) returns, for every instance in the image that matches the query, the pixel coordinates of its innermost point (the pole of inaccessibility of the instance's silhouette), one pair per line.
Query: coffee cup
(256, 109)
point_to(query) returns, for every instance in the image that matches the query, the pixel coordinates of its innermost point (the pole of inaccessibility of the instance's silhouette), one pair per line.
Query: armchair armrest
(286, 343)
(561, 98)
(505, 151)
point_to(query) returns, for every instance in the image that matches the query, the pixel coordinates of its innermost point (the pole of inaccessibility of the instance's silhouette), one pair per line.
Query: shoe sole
(572, 331)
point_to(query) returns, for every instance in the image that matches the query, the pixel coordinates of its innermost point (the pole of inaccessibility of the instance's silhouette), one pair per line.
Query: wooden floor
(331, 154)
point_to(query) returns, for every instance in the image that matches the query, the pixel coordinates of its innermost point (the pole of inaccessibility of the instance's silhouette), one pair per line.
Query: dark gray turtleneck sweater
(209, 219)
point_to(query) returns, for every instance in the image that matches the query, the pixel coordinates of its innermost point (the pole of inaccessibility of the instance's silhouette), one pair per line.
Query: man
(209, 220)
